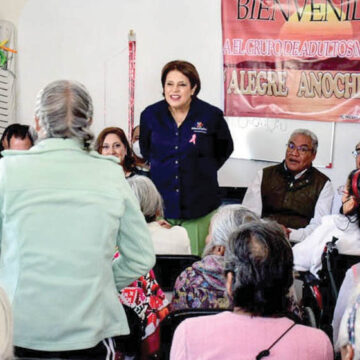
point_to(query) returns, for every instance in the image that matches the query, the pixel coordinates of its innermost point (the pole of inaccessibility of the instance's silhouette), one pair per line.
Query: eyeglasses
(302, 149)
(356, 152)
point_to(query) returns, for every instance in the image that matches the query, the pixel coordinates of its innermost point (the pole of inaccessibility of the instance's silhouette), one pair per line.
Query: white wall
(10, 10)
(87, 40)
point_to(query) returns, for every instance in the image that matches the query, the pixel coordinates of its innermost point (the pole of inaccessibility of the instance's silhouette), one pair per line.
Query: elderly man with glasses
(293, 193)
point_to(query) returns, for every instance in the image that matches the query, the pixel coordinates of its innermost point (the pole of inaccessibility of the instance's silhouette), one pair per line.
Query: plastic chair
(168, 267)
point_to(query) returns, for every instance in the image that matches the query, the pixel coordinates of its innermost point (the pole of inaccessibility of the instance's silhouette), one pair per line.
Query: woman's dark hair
(138, 161)
(18, 131)
(353, 187)
(261, 260)
(133, 132)
(129, 161)
(187, 69)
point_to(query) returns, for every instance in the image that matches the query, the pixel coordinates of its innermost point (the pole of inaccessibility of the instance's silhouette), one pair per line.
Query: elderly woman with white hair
(64, 211)
(202, 285)
(167, 239)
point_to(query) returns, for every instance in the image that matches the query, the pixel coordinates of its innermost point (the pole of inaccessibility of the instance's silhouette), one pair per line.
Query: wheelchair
(320, 293)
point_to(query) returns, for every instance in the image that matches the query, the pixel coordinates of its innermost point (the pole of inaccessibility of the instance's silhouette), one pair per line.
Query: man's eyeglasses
(302, 149)
(356, 152)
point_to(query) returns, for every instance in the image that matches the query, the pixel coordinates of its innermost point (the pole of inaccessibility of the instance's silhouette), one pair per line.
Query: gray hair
(224, 222)
(310, 134)
(150, 200)
(65, 110)
(261, 260)
(33, 134)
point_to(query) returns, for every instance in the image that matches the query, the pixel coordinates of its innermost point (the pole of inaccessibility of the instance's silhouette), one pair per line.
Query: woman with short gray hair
(61, 226)
(224, 223)
(150, 200)
(202, 285)
(167, 239)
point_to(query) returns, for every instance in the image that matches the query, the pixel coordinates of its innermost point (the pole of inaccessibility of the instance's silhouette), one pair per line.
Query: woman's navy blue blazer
(184, 160)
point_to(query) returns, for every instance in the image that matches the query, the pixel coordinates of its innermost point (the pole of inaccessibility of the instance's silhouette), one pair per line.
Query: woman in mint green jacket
(64, 210)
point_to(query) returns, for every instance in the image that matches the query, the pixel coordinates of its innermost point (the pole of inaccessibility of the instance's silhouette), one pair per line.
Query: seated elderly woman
(202, 285)
(258, 268)
(348, 340)
(167, 239)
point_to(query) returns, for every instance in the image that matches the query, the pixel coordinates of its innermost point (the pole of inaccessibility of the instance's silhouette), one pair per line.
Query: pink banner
(293, 59)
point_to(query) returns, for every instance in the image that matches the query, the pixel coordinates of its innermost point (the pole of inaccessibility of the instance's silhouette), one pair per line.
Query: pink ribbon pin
(193, 139)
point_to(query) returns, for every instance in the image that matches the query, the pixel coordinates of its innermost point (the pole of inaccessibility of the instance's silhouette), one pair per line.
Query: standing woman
(64, 209)
(186, 141)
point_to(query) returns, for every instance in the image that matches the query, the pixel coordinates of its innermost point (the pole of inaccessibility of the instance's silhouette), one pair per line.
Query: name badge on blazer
(199, 128)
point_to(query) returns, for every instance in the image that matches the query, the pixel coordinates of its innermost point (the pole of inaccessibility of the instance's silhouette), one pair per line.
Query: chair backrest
(171, 322)
(168, 267)
(232, 195)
